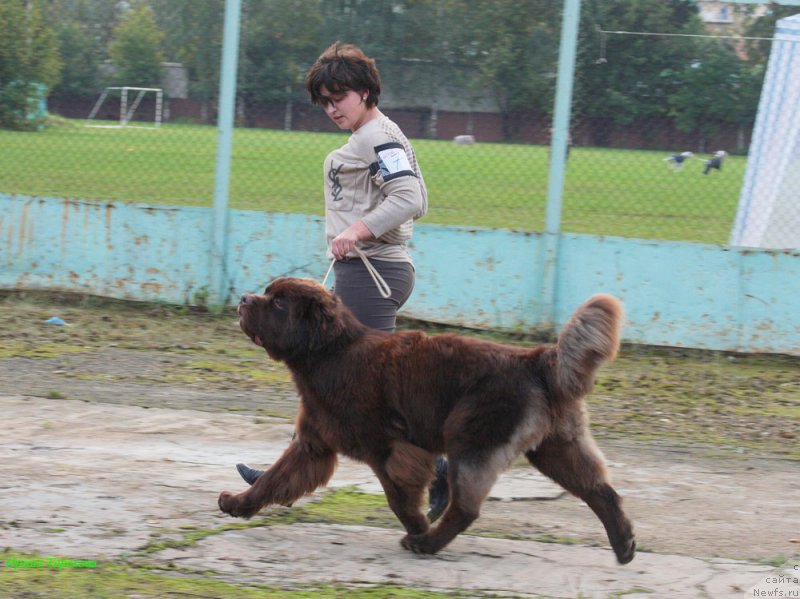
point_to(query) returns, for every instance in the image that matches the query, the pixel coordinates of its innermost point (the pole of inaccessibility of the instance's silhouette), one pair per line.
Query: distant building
(727, 18)
(175, 80)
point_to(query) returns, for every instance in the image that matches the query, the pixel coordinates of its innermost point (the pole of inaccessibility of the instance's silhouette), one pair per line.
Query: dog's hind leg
(578, 466)
(482, 437)
(303, 467)
(405, 477)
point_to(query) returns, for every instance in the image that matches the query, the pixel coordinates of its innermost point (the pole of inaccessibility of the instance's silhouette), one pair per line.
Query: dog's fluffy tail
(589, 340)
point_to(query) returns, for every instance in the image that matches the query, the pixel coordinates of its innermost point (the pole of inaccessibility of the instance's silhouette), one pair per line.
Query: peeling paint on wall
(677, 294)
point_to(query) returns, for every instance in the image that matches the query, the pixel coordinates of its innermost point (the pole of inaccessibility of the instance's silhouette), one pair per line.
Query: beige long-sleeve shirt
(375, 178)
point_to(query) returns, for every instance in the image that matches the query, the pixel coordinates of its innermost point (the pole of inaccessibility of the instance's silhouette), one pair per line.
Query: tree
(436, 64)
(410, 41)
(28, 59)
(373, 26)
(84, 29)
(427, 49)
(281, 41)
(622, 79)
(78, 53)
(195, 40)
(135, 49)
(764, 26)
(715, 90)
(98, 18)
(514, 46)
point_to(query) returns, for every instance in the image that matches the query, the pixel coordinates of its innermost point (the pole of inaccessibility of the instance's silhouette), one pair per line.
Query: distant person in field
(715, 162)
(678, 161)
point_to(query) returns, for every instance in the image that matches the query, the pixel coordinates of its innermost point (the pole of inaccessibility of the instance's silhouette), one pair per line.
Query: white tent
(769, 203)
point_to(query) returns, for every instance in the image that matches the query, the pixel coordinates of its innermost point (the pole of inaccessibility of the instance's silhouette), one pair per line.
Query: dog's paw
(233, 505)
(626, 551)
(423, 544)
(227, 503)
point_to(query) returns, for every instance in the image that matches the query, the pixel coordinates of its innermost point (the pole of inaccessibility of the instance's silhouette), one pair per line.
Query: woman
(373, 187)
(374, 191)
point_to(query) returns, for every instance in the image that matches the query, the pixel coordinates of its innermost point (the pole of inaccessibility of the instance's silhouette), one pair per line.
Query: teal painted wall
(676, 294)
(687, 294)
(122, 250)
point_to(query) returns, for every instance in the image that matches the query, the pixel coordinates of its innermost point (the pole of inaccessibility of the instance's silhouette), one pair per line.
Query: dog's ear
(322, 315)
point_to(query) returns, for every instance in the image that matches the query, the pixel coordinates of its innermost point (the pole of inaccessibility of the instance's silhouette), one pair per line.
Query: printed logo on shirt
(392, 161)
(336, 185)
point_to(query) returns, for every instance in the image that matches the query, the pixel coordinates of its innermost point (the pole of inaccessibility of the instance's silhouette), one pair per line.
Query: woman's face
(345, 108)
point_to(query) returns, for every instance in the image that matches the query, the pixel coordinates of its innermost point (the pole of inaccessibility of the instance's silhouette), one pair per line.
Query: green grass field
(628, 193)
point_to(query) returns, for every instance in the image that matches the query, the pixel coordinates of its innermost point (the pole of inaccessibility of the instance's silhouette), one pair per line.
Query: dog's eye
(278, 304)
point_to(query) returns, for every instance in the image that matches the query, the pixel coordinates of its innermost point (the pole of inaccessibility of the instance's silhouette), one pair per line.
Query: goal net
(128, 100)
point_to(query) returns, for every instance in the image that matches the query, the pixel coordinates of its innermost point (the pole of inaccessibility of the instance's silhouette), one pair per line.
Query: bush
(22, 106)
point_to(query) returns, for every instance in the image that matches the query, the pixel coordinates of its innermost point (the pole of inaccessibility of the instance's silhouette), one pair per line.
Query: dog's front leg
(404, 476)
(302, 468)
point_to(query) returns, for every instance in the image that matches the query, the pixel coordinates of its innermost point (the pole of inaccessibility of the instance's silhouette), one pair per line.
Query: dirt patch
(157, 355)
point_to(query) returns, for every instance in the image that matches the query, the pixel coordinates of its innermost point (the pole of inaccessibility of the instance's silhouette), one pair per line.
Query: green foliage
(135, 49)
(701, 84)
(38, 48)
(717, 89)
(621, 78)
(281, 42)
(764, 27)
(482, 55)
(80, 74)
(98, 17)
(118, 578)
(195, 40)
(433, 48)
(28, 59)
(384, 30)
(518, 43)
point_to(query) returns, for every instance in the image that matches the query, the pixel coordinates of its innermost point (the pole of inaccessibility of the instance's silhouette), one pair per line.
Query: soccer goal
(128, 105)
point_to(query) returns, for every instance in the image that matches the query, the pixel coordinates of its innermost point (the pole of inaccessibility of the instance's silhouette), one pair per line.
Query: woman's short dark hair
(343, 67)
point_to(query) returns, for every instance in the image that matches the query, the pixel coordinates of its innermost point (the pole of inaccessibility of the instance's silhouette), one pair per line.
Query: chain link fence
(680, 151)
(661, 140)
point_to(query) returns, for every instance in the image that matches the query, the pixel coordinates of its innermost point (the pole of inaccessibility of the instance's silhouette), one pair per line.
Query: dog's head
(294, 317)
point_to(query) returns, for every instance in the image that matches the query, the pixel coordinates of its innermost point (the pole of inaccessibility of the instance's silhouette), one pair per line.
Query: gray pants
(358, 291)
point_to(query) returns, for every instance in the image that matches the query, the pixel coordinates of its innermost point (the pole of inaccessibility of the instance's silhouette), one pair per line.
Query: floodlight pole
(218, 292)
(558, 156)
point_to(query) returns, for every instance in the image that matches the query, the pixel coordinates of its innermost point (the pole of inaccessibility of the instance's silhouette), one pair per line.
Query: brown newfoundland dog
(396, 400)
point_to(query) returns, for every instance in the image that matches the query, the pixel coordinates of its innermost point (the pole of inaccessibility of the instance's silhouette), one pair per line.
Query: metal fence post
(558, 154)
(218, 293)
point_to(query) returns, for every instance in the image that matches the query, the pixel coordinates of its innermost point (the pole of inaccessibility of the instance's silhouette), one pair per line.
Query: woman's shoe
(250, 475)
(438, 492)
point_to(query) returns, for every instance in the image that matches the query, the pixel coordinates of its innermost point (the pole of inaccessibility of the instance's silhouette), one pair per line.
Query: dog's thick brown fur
(396, 400)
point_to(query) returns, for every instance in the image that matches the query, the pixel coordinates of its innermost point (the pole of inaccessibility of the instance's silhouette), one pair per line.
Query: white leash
(327, 274)
(380, 282)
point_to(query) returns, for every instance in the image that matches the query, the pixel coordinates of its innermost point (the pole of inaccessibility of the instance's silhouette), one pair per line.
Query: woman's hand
(344, 243)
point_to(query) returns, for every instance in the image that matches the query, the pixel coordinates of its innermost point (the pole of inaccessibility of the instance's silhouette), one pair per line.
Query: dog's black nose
(244, 299)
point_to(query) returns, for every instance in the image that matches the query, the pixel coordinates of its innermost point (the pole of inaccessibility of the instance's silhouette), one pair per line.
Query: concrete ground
(103, 481)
